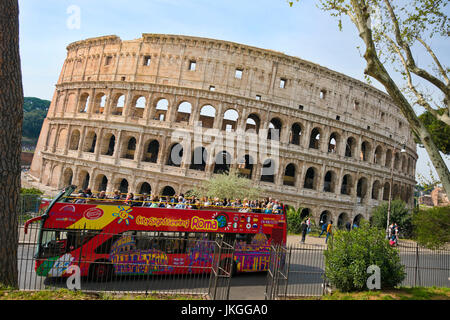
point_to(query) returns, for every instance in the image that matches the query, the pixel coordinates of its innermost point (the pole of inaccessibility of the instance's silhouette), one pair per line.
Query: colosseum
(161, 113)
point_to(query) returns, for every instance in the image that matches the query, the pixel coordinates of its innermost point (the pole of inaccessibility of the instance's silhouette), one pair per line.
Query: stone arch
(151, 151)
(118, 104)
(198, 159)
(84, 179)
(139, 102)
(207, 116)
(101, 182)
(184, 112)
(350, 147)
(343, 219)
(230, 120)
(378, 155)
(365, 151)
(357, 220)
(325, 217)
(274, 129)
(161, 109)
(314, 138)
(67, 177)
(74, 140)
(245, 166)
(388, 160)
(168, 191)
(386, 191)
(296, 133)
(361, 188)
(62, 139)
(90, 141)
(347, 184)
(268, 171)
(376, 189)
(99, 103)
(83, 103)
(253, 123)
(329, 181)
(289, 175)
(310, 181)
(175, 155)
(129, 148)
(144, 188)
(222, 162)
(333, 142)
(108, 144)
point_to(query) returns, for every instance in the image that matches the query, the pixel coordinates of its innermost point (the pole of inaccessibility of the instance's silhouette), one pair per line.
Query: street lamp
(402, 150)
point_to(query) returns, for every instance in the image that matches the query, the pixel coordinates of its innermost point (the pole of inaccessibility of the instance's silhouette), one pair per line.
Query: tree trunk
(11, 114)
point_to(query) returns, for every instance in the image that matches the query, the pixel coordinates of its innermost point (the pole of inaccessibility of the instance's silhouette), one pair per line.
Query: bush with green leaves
(400, 214)
(349, 254)
(432, 227)
(294, 220)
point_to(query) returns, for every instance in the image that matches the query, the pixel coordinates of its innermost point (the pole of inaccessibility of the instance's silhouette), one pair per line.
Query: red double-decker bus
(107, 237)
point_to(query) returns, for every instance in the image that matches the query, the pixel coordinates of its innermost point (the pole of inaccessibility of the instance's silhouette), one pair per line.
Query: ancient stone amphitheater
(162, 113)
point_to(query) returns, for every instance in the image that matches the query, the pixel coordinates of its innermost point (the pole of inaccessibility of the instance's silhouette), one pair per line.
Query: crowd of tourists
(267, 205)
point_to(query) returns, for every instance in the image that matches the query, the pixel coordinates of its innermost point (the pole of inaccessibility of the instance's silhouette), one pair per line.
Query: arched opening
(130, 149)
(245, 166)
(84, 103)
(207, 116)
(101, 182)
(84, 179)
(376, 190)
(123, 186)
(310, 178)
(378, 155)
(161, 109)
(361, 189)
(305, 213)
(99, 104)
(222, 162)
(386, 191)
(388, 160)
(365, 151)
(139, 103)
(68, 177)
(350, 147)
(343, 220)
(145, 188)
(108, 146)
(332, 142)
(184, 112)
(396, 161)
(168, 191)
(175, 155)
(90, 142)
(347, 184)
(151, 151)
(198, 159)
(118, 104)
(289, 175)
(253, 123)
(296, 134)
(74, 140)
(329, 181)
(230, 118)
(274, 131)
(268, 171)
(325, 217)
(357, 220)
(314, 140)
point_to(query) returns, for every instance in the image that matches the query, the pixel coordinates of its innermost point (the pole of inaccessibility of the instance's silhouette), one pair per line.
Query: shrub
(294, 220)
(432, 227)
(349, 254)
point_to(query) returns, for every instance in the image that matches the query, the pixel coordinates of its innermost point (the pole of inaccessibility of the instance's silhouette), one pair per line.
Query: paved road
(306, 270)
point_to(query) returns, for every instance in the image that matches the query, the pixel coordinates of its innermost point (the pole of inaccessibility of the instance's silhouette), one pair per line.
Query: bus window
(58, 242)
(243, 237)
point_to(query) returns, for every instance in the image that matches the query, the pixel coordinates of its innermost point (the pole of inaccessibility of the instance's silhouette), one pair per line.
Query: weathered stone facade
(119, 107)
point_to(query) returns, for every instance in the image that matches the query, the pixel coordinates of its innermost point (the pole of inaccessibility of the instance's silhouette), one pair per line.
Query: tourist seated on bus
(268, 208)
(101, 195)
(116, 195)
(81, 198)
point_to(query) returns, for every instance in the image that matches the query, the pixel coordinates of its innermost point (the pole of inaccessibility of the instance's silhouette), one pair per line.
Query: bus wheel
(100, 271)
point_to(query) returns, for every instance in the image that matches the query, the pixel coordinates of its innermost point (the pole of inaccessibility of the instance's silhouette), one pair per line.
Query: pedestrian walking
(329, 231)
(324, 228)
(304, 231)
(308, 224)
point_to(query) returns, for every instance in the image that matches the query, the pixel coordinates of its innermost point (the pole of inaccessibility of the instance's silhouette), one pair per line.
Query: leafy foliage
(400, 214)
(349, 254)
(440, 132)
(34, 113)
(432, 227)
(294, 220)
(227, 186)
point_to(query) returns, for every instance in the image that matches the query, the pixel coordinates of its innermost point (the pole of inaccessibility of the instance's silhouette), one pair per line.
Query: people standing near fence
(329, 231)
(308, 224)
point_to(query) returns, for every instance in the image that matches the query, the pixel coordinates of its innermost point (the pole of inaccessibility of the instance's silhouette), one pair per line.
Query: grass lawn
(418, 293)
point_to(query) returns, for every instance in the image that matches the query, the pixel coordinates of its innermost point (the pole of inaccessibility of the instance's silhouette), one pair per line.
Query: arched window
(253, 123)
(118, 104)
(361, 188)
(74, 140)
(84, 103)
(198, 159)
(347, 184)
(161, 109)
(168, 191)
(90, 142)
(343, 220)
(184, 112)
(310, 179)
(139, 103)
(376, 189)
(175, 155)
(222, 163)
(123, 186)
(151, 151)
(289, 175)
(378, 154)
(128, 152)
(99, 104)
(296, 133)
(67, 177)
(329, 181)
(350, 147)
(108, 145)
(324, 217)
(145, 188)
(101, 182)
(207, 116)
(230, 118)
(365, 151)
(388, 161)
(314, 140)
(332, 142)
(274, 129)
(268, 171)
(245, 166)
(386, 191)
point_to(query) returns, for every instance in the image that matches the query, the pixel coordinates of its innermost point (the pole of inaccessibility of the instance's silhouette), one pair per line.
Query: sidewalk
(310, 240)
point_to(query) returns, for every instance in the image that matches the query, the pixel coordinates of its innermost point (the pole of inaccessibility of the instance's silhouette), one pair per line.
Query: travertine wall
(120, 106)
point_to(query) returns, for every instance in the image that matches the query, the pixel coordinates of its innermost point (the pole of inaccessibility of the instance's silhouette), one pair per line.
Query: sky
(304, 31)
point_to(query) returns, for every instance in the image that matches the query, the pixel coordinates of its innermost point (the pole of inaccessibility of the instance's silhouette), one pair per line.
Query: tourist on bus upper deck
(268, 208)
(116, 195)
(101, 195)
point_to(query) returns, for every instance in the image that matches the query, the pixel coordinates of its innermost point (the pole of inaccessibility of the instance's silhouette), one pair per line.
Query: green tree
(349, 254)
(227, 185)
(294, 220)
(440, 132)
(392, 34)
(400, 214)
(432, 227)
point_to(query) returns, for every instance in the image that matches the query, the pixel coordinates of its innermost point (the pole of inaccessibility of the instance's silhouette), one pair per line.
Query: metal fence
(131, 263)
